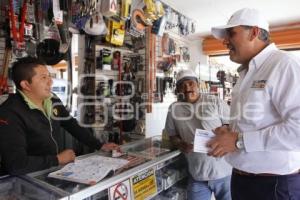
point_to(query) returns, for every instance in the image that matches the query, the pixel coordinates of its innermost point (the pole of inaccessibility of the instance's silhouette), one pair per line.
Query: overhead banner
(144, 184)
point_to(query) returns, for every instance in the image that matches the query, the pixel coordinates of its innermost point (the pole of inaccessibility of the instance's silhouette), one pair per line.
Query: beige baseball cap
(246, 17)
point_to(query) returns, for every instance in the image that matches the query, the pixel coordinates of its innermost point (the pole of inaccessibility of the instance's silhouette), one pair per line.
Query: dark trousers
(245, 187)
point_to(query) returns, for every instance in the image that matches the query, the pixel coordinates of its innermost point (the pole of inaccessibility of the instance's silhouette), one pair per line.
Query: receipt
(201, 139)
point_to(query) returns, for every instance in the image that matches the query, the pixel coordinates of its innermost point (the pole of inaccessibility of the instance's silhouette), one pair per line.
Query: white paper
(89, 170)
(201, 139)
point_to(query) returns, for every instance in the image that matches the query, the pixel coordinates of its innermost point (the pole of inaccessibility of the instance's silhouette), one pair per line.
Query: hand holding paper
(202, 137)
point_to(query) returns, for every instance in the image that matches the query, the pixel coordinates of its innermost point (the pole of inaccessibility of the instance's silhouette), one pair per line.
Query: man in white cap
(263, 141)
(193, 111)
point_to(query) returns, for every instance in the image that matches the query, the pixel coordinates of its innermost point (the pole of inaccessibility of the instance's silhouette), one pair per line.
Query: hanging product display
(185, 54)
(138, 23)
(178, 23)
(61, 23)
(153, 11)
(55, 41)
(3, 78)
(116, 32)
(103, 90)
(79, 16)
(105, 59)
(116, 62)
(159, 25)
(30, 14)
(125, 10)
(109, 8)
(120, 45)
(18, 35)
(48, 50)
(138, 42)
(31, 20)
(95, 25)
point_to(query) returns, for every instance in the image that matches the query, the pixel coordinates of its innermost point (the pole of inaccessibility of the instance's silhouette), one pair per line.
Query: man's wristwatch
(240, 142)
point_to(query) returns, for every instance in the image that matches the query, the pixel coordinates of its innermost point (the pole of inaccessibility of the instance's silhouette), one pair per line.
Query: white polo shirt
(266, 110)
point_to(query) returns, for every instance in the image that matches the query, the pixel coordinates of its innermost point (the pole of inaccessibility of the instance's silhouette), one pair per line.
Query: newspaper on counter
(89, 170)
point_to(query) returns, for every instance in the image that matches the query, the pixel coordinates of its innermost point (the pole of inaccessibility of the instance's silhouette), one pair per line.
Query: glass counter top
(17, 188)
(140, 154)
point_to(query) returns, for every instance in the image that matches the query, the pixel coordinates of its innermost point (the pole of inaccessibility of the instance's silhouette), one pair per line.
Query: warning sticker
(120, 191)
(144, 184)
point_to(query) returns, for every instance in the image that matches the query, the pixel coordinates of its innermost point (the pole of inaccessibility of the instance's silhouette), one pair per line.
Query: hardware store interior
(116, 67)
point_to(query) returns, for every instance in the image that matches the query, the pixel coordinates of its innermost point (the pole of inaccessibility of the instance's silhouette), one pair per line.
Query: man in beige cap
(263, 141)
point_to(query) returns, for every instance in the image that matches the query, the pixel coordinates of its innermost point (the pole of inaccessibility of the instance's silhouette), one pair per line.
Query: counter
(139, 180)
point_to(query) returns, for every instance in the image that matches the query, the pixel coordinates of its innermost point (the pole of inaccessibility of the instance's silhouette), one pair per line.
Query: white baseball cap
(246, 17)
(186, 74)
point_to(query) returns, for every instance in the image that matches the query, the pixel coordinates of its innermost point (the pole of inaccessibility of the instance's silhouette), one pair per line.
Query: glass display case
(148, 154)
(149, 148)
(18, 188)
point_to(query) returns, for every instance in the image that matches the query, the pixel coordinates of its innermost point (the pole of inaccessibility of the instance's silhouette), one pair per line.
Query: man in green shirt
(30, 122)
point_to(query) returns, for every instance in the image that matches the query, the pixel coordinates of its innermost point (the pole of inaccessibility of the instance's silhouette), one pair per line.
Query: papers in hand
(89, 170)
(201, 139)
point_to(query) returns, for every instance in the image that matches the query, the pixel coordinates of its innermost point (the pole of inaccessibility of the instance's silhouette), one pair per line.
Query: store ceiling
(209, 13)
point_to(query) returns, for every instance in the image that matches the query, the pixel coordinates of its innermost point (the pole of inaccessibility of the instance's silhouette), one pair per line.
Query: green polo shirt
(47, 104)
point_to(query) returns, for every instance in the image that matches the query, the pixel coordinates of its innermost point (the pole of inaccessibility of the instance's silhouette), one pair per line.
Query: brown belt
(242, 173)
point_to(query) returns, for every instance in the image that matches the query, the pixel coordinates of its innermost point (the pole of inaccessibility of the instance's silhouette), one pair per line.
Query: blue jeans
(202, 190)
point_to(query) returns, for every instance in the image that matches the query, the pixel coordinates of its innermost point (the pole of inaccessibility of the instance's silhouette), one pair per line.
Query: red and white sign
(120, 191)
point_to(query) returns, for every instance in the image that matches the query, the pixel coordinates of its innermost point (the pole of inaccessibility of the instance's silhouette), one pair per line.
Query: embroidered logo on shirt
(3, 122)
(259, 84)
(55, 112)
